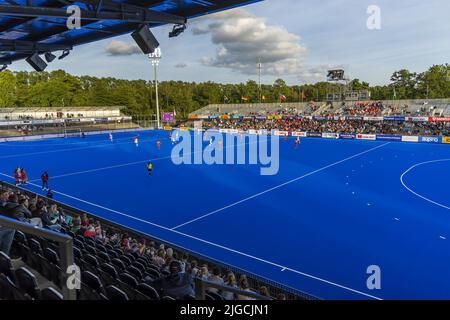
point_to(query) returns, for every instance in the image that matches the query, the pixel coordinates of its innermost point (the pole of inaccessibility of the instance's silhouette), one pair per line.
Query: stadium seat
(168, 298)
(90, 263)
(51, 294)
(128, 279)
(152, 273)
(6, 266)
(103, 256)
(128, 284)
(125, 259)
(79, 244)
(35, 254)
(148, 290)
(21, 245)
(118, 264)
(114, 293)
(108, 274)
(91, 287)
(138, 274)
(90, 249)
(50, 266)
(113, 254)
(9, 290)
(139, 265)
(27, 283)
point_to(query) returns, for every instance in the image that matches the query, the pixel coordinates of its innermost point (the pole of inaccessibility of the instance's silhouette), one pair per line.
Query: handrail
(65, 248)
(201, 285)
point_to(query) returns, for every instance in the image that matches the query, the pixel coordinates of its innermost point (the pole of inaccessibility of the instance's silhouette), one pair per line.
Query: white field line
(129, 164)
(402, 177)
(277, 187)
(281, 267)
(109, 144)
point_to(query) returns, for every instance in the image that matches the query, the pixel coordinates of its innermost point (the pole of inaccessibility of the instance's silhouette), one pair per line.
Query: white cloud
(242, 38)
(121, 48)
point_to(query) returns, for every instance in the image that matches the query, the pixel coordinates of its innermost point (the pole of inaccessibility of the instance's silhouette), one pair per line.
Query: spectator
(230, 282)
(215, 278)
(177, 285)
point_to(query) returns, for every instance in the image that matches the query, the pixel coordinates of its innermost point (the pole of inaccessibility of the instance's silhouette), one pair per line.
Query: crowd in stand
(178, 268)
(337, 126)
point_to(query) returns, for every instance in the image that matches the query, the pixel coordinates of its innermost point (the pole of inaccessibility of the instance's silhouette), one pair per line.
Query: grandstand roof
(30, 26)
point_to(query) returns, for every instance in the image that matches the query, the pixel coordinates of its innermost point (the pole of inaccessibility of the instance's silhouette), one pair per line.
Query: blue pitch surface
(335, 207)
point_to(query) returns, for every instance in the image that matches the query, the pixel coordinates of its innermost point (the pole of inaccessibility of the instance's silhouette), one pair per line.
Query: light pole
(155, 57)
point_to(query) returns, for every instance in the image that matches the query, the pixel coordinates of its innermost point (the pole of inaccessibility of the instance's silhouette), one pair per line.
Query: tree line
(59, 89)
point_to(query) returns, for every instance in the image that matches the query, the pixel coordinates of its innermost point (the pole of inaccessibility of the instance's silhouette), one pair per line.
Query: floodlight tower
(155, 57)
(259, 67)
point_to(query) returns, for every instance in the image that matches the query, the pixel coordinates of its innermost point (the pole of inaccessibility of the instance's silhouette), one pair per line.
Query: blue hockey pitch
(335, 208)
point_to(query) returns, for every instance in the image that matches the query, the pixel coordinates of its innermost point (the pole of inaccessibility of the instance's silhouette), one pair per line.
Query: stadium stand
(115, 263)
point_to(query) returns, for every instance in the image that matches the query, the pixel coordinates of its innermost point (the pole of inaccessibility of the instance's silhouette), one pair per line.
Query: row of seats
(21, 284)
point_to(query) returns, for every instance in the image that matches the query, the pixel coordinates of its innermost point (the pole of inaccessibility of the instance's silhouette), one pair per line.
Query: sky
(296, 40)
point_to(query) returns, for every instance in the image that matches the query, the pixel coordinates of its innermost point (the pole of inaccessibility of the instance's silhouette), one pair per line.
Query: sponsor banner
(213, 117)
(278, 117)
(429, 139)
(184, 129)
(439, 119)
(233, 131)
(280, 133)
(347, 136)
(252, 131)
(225, 117)
(361, 136)
(263, 132)
(314, 134)
(446, 140)
(394, 118)
(354, 118)
(299, 134)
(330, 135)
(417, 119)
(410, 138)
(320, 118)
(260, 118)
(373, 118)
(388, 137)
(236, 117)
(193, 116)
(72, 120)
(167, 128)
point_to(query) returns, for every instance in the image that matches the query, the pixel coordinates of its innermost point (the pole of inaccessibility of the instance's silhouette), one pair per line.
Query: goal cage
(73, 133)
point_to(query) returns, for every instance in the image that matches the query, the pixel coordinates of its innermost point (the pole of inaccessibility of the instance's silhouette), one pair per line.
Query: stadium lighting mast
(155, 57)
(259, 67)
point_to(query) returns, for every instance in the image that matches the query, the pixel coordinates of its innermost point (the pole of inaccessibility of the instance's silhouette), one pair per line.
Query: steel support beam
(30, 46)
(125, 13)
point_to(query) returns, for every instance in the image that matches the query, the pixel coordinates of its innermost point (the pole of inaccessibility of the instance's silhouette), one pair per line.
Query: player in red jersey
(158, 145)
(24, 176)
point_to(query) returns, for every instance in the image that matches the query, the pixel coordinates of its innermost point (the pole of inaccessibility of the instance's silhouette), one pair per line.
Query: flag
(395, 93)
(174, 113)
(282, 97)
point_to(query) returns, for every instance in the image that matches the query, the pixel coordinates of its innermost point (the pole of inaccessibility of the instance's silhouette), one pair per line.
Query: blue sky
(298, 40)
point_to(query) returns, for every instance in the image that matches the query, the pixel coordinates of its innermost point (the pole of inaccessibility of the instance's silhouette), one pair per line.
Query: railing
(65, 248)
